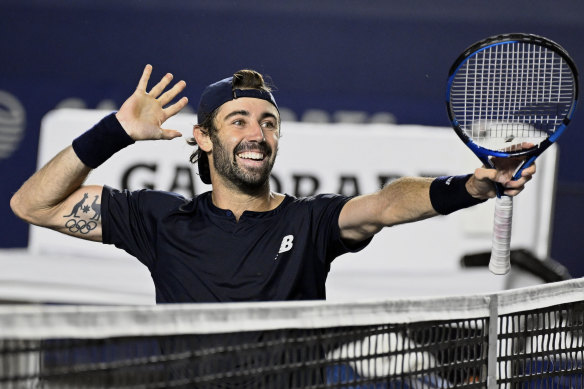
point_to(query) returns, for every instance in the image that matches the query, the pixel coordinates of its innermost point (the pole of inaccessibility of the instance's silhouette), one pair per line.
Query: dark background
(361, 56)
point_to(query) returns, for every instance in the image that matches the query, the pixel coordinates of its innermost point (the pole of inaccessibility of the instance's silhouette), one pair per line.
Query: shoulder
(147, 199)
(143, 194)
(325, 198)
(318, 203)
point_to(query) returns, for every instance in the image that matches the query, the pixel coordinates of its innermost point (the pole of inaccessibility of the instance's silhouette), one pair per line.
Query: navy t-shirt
(197, 252)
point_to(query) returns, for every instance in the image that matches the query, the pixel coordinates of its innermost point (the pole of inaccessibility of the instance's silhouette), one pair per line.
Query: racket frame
(532, 153)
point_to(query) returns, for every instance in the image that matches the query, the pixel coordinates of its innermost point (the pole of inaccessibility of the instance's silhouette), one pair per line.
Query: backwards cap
(217, 94)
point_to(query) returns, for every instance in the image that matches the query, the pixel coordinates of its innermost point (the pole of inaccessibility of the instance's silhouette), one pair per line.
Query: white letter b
(286, 243)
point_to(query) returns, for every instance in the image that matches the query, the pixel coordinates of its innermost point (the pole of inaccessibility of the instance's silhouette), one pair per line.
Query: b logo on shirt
(286, 244)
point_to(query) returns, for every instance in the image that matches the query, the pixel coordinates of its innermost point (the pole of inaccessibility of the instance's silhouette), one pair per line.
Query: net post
(493, 342)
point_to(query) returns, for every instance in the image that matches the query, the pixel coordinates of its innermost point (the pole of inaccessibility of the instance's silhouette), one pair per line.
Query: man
(241, 241)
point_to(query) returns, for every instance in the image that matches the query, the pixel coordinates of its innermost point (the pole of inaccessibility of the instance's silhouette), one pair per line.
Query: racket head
(511, 89)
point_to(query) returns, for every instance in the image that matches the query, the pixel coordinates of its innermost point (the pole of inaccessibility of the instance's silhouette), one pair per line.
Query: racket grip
(500, 262)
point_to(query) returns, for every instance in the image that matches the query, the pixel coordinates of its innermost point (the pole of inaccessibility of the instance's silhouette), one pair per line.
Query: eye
(268, 124)
(238, 122)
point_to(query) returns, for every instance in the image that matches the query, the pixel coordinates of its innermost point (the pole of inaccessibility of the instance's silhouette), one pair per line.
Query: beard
(248, 180)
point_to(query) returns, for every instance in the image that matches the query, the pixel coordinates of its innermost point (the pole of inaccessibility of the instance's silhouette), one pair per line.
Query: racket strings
(510, 93)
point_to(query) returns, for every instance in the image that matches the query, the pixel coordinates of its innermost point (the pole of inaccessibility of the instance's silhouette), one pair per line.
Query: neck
(237, 201)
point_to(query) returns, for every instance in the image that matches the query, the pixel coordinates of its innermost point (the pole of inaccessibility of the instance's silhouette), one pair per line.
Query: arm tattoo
(78, 206)
(83, 225)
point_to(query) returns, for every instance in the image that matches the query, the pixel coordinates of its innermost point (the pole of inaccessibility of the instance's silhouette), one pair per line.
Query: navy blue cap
(220, 92)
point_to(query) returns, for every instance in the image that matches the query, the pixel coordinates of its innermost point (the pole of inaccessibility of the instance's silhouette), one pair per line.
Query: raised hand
(143, 113)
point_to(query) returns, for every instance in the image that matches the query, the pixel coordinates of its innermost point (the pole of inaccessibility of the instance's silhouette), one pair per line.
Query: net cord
(34, 322)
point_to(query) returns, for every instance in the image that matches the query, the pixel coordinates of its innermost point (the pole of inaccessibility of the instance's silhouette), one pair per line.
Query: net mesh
(543, 346)
(432, 355)
(537, 341)
(510, 93)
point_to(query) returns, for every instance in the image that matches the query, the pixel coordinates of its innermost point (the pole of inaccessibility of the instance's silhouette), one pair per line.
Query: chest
(224, 250)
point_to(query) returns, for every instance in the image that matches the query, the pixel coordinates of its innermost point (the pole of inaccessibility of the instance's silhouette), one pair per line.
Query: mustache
(261, 147)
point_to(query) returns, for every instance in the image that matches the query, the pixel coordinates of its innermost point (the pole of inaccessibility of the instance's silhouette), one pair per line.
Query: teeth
(251, 155)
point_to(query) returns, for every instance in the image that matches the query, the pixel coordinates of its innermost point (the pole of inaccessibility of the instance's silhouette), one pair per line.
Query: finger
(162, 84)
(513, 192)
(529, 171)
(525, 176)
(514, 188)
(519, 146)
(172, 93)
(176, 107)
(515, 184)
(170, 134)
(143, 83)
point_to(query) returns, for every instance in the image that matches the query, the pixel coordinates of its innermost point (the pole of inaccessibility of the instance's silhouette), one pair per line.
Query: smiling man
(244, 150)
(240, 241)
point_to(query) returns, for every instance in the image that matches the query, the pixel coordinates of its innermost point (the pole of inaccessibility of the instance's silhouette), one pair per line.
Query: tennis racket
(509, 96)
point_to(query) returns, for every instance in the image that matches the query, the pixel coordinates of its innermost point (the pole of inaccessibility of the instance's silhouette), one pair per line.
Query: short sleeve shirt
(196, 252)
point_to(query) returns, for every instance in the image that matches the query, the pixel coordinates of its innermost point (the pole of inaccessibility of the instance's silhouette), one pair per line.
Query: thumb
(485, 174)
(480, 184)
(170, 134)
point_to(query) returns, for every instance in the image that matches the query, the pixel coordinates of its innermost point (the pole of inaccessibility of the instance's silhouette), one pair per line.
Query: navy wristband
(449, 194)
(96, 145)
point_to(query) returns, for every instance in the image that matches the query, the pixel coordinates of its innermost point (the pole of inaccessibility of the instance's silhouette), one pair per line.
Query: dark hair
(249, 79)
(242, 79)
(199, 156)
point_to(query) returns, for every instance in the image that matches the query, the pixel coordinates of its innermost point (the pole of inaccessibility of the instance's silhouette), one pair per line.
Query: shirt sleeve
(130, 220)
(326, 211)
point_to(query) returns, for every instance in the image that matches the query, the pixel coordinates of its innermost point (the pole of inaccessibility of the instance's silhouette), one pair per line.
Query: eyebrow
(235, 113)
(246, 113)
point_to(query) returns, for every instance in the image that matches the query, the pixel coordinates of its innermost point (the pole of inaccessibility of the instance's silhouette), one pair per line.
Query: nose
(256, 133)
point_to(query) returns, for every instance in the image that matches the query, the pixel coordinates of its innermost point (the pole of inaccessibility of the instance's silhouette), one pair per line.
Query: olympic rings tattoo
(80, 226)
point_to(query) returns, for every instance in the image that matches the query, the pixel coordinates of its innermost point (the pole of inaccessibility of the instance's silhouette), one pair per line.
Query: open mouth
(252, 155)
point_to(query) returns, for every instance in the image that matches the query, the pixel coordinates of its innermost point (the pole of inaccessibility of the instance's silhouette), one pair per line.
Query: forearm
(404, 200)
(41, 195)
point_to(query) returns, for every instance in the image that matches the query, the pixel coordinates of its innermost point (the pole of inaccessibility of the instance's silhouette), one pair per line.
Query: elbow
(27, 210)
(17, 207)
(21, 209)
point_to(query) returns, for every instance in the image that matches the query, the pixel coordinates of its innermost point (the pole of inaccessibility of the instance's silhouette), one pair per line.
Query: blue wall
(370, 56)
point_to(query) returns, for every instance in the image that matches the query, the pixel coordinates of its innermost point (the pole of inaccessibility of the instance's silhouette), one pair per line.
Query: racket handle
(500, 262)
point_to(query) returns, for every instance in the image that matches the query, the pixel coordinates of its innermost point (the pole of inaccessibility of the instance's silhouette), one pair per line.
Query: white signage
(322, 158)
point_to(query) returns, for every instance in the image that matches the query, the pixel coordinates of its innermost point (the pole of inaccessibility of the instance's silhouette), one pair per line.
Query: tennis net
(521, 338)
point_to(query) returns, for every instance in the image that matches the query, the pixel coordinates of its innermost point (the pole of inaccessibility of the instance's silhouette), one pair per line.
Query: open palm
(143, 113)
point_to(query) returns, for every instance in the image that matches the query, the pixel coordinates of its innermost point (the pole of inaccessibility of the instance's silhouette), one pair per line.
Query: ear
(202, 137)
